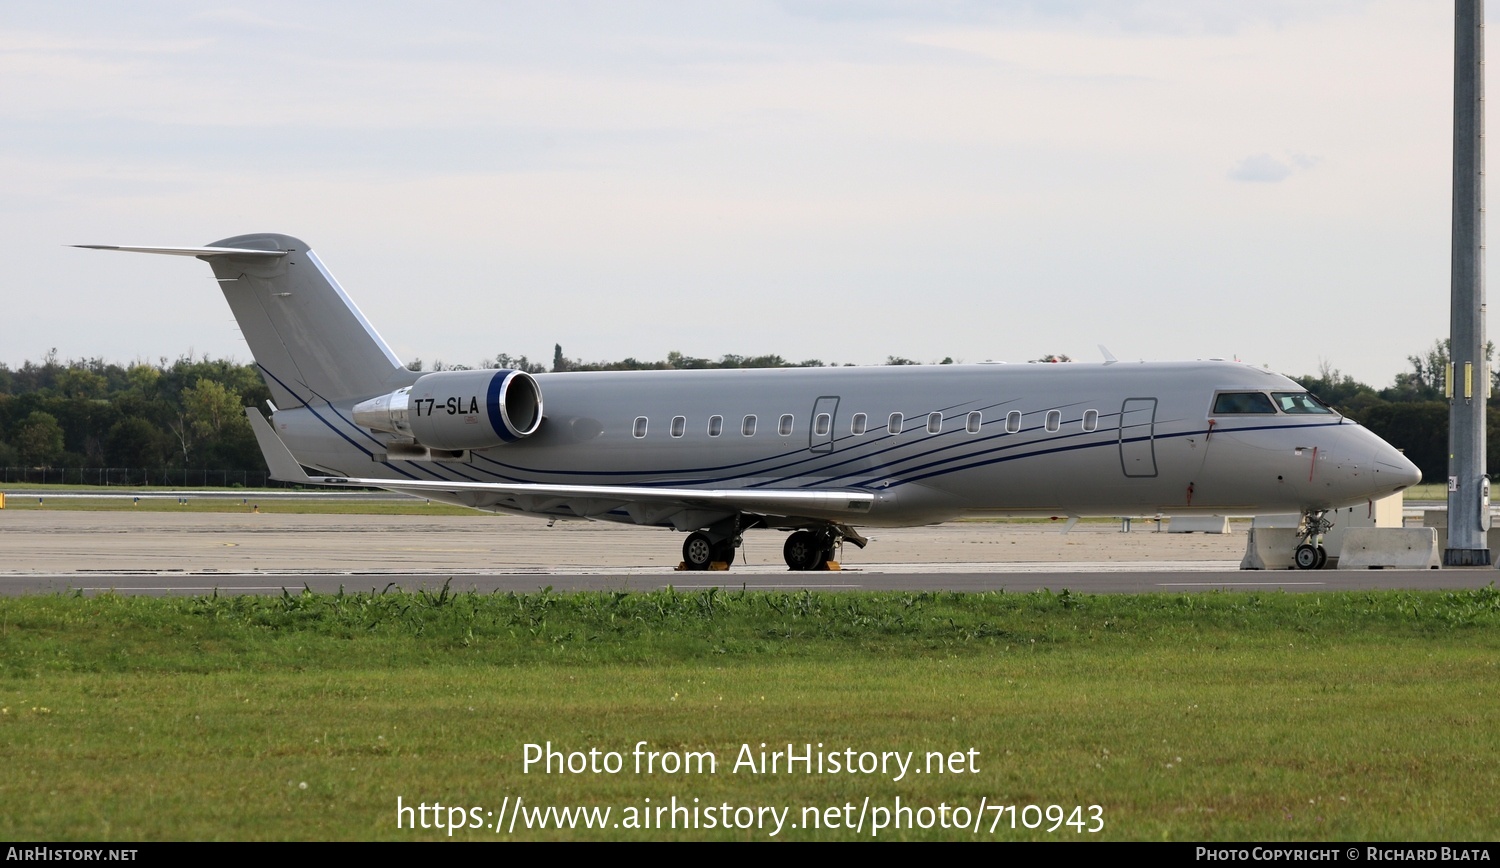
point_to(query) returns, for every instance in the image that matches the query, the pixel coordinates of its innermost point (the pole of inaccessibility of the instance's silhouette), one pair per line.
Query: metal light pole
(1468, 375)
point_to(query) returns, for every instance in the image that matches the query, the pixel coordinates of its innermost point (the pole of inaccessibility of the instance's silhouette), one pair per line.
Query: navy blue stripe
(868, 443)
(886, 468)
(863, 453)
(1112, 442)
(347, 421)
(448, 466)
(425, 467)
(492, 405)
(811, 457)
(330, 425)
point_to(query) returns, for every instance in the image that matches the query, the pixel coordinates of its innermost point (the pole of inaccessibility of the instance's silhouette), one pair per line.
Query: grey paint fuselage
(1184, 459)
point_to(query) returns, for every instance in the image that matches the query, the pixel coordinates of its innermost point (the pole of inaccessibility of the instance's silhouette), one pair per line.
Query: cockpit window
(1243, 402)
(1300, 403)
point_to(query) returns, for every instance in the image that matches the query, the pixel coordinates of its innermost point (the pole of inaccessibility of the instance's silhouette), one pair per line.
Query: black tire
(698, 551)
(724, 552)
(1306, 557)
(1322, 558)
(803, 551)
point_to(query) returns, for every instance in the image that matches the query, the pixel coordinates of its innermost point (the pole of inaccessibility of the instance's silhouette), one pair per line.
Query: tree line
(188, 413)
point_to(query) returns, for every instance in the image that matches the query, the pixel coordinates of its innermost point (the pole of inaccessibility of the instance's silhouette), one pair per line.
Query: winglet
(187, 251)
(279, 458)
(1109, 357)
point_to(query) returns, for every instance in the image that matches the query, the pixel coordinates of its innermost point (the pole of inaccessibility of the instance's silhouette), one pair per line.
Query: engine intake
(456, 410)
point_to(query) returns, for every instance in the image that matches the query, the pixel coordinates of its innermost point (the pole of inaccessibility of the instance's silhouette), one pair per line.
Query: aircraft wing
(645, 504)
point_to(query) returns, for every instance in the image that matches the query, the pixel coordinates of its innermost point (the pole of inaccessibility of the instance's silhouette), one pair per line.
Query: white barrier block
(1414, 548)
(1270, 548)
(1198, 524)
(1491, 538)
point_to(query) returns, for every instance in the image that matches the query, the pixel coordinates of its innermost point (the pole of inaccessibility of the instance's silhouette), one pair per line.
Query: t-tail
(311, 343)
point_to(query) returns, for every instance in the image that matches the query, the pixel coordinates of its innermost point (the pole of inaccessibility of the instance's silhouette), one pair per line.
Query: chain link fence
(175, 477)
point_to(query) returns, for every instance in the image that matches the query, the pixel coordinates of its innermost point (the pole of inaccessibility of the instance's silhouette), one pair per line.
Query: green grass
(1427, 491)
(1359, 716)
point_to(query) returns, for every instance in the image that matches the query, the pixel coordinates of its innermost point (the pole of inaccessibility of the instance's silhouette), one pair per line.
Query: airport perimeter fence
(138, 476)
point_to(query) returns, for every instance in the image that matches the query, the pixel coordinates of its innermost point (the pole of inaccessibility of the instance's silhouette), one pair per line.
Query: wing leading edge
(188, 251)
(645, 504)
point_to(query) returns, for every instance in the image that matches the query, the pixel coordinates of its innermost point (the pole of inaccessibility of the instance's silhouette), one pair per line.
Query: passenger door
(825, 411)
(1138, 437)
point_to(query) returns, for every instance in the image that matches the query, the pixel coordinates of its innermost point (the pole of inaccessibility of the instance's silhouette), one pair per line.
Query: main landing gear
(1311, 555)
(809, 550)
(814, 548)
(700, 552)
(806, 549)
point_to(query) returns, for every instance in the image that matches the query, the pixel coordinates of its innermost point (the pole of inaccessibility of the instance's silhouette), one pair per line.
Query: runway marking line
(1238, 584)
(730, 587)
(188, 588)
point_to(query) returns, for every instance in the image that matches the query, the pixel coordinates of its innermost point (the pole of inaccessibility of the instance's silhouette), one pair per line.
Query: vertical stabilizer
(308, 338)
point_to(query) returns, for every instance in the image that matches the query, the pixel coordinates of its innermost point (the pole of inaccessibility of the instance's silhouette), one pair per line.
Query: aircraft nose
(1395, 469)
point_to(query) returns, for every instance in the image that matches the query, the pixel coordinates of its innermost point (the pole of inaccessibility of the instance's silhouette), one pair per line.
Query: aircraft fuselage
(931, 442)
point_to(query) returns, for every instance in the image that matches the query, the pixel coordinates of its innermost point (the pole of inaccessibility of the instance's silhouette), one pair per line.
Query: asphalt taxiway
(52, 551)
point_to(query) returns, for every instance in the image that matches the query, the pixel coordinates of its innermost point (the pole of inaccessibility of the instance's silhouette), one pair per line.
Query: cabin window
(934, 423)
(1013, 422)
(1090, 420)
(972, 424)
(1242, 402)
(679, 426)
(784, 427)
(1054, 420)
(857, 427)
(715, 426)
(1300, 403)
(747, 427)
(822, 424)
(894, 425)
(639, 430)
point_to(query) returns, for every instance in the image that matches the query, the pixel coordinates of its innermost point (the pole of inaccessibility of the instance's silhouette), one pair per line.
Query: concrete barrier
(1270, 548)
(1198, 524)
(1491, 538)
(1414, 548)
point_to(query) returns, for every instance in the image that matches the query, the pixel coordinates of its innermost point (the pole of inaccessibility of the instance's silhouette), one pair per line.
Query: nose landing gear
(1311, 555)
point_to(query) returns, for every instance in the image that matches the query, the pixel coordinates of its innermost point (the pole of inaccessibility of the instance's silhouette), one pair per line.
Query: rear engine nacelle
(456, 410)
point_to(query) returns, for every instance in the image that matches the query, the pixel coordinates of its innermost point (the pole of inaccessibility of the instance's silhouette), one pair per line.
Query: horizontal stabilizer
(279, 458)
(187, 251)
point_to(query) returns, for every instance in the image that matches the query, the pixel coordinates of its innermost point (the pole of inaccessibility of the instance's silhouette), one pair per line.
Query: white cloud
(1262, 168)
(1014, 180)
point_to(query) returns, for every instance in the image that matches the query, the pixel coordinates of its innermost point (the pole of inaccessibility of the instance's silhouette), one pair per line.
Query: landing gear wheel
(1322, 558)
(724, 552)
(698, 551)
(804, 551)
(1307, 557)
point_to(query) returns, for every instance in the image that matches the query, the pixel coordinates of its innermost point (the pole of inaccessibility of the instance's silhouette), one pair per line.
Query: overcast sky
(844, 181)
